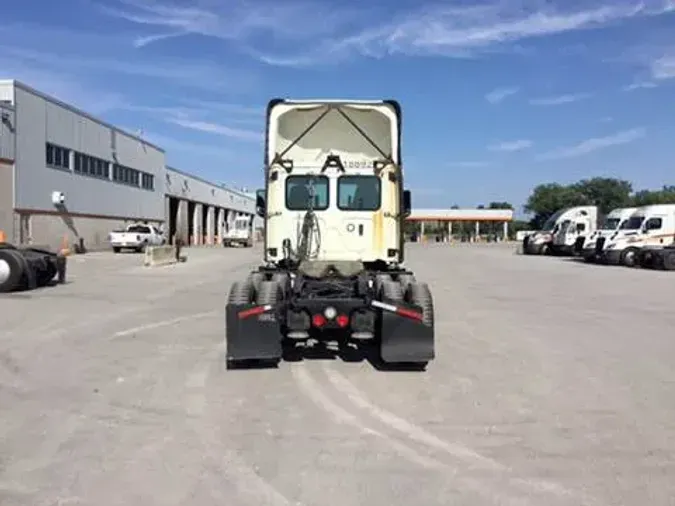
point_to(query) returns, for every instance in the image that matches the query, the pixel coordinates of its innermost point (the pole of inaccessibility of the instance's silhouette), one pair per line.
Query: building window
(148, 181)
(126, 175)
(91, 166)
(57, 157)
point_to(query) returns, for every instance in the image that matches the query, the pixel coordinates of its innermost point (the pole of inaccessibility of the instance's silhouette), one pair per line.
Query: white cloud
(193, 74)
(217, 128)
(264, 28)
(640, 85)
(663, 67)
(499, 94)
(560, 99)
(511, 146)
(595, 144)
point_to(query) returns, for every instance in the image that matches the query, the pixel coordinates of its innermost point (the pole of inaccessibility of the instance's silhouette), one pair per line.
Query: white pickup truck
(136, 237)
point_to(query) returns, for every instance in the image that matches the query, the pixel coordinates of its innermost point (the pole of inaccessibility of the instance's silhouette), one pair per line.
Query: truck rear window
(298, 192)
(359, 193)
(138, 229)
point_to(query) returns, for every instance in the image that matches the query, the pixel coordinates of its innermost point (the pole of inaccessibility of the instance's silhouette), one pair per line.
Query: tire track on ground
(455, 450)
(473, 482)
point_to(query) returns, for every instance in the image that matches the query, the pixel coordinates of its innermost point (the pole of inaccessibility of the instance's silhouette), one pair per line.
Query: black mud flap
(578, 246)
(404, 339)
(252, 333)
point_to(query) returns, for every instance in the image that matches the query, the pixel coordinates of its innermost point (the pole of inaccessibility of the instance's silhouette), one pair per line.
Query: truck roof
(357, 131)
(654, 208)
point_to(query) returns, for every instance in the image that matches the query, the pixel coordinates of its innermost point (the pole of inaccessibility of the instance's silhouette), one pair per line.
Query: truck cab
(343, 189)
(576, 224)
(648, 226)
(240, 233)
(333, 208)
(561, 230)
(594, 243)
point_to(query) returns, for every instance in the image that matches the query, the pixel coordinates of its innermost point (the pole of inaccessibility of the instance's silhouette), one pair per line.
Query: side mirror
(260, 206)
(407, 203)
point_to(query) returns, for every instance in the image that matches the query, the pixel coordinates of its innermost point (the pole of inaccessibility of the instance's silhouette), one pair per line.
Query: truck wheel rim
(5, 271)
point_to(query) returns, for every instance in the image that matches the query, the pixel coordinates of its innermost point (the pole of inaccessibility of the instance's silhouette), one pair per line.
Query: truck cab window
(359, 193)
(298, 192)
(653, 224)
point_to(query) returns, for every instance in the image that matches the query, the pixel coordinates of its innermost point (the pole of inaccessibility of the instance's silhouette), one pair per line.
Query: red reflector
(318, 320)
(342, 320)
(409, 314)
(252, 312)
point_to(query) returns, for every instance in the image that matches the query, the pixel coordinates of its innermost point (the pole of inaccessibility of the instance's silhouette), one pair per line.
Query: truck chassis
(27, 268)
(330, 301)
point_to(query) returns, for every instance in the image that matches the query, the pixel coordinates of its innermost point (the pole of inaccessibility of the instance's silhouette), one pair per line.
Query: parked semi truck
(575, 225)
(594, 243)
(29, 267)
(649, 226)
(333, 267)
(560, 232)
(240, 233)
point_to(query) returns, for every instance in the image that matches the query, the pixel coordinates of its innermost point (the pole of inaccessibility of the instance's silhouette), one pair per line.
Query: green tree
(665, 195)
(548, 198)
(500, 205)
(606, 193)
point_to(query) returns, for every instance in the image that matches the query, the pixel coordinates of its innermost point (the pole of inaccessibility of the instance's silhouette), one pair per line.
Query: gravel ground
(553, 384)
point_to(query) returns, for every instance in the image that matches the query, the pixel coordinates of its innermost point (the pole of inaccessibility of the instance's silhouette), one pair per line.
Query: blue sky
(497, 95)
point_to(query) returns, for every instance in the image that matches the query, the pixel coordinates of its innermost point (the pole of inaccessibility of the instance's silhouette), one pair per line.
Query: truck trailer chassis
(271, 308)
(27, 268)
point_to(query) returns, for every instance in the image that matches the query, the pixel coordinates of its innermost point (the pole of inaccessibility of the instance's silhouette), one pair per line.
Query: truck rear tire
(391, 289)
(417, 293)
(269, 293)
(11, 269)
(669, 260)
(629, 257)
(420, 294)
(241, 292)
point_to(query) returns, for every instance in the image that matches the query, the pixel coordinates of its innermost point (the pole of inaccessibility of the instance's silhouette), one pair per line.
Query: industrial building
(67, 176)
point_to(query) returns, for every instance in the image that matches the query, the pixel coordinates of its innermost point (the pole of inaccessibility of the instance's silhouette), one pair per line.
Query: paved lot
(554, 384)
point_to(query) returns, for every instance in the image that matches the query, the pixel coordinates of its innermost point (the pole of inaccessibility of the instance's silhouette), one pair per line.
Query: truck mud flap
(405, 339)
(578, 246)
(252, 333)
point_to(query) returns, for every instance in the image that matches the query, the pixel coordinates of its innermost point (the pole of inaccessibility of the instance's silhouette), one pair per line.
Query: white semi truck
(594, 243)
(575, 225)
(240, 232)
(561, 231)
(334, 207)
(648, 227)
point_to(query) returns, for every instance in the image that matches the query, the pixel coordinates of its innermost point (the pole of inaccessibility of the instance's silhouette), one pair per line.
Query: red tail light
(318, 320)
(342, 320)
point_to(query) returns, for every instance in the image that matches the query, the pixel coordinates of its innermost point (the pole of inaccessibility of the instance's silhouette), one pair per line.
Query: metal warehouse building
(67, 175)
